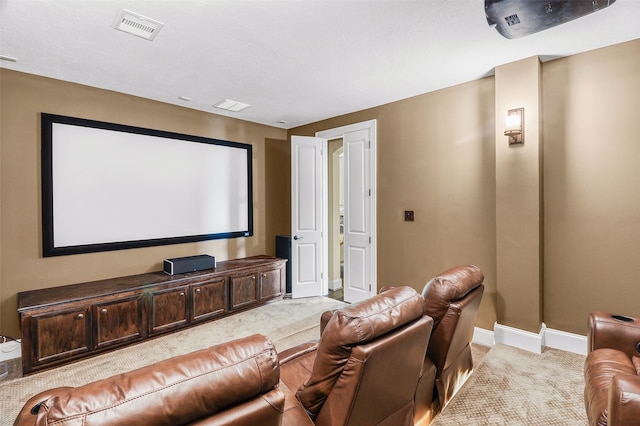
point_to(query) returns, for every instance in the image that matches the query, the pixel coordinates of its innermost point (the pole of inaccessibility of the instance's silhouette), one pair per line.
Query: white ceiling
(298, 61)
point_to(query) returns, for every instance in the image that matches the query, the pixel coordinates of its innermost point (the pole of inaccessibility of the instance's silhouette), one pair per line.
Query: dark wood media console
(66, 323)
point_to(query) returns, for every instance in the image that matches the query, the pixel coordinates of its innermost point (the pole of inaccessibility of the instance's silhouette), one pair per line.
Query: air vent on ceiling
(230, 105)
(136, 24)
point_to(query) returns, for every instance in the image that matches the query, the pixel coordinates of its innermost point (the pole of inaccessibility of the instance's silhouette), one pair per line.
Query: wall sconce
(514, 127)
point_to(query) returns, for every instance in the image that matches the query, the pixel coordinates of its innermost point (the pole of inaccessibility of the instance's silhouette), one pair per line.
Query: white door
(358, 283)
(307, 216)
(359, 144)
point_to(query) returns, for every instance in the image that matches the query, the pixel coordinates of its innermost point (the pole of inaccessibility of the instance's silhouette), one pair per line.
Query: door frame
(337, 133)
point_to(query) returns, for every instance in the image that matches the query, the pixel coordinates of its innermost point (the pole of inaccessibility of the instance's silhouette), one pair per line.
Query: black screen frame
(49, 248)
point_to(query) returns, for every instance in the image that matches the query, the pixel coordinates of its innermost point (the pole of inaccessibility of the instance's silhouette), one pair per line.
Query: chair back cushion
(353, 326)
(449, 286)
(177, 391)
(378, 384)
(452, 299)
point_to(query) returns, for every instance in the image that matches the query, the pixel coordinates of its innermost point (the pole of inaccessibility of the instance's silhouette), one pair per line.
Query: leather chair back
(368, 362)
(452, 299)
(232, 383)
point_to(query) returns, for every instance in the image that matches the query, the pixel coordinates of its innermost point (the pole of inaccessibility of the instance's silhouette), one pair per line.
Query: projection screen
(108, 187)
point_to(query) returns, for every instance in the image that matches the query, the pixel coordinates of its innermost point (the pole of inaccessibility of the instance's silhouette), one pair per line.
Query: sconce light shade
(514, 126)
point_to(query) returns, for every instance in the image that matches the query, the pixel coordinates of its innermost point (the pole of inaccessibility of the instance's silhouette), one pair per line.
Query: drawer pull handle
(80, 316)
(104, 311)
(264, 275)
(197, 290)
(182, 293)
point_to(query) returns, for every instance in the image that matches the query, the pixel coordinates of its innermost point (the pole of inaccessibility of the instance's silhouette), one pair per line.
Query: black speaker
(283, 250)
(180, 265)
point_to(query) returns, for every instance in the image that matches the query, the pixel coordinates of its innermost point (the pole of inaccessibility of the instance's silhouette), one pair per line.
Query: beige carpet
(287, 323)
(512, 387)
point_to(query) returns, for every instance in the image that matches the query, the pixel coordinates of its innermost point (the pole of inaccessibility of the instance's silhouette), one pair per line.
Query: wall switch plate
(408, 215)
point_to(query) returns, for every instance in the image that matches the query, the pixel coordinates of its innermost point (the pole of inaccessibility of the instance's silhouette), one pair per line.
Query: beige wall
(436, 157)
(518, 199)
(591, 123)
(277, 191)
(22, 267)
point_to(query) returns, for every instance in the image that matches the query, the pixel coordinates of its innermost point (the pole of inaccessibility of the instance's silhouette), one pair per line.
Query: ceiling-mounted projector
(519, 18)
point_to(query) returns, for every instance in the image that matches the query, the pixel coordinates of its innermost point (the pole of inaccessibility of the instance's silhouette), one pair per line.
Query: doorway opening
(336, 218)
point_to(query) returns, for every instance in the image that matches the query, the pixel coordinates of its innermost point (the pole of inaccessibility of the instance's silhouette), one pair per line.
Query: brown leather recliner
(612, 370)
(365, 368)
(235, 383)
(452, 299)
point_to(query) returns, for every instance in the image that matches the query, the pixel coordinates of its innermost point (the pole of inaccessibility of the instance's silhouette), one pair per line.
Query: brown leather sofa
(365, 368)
(612, 370)
(452, 299)
(235, 383)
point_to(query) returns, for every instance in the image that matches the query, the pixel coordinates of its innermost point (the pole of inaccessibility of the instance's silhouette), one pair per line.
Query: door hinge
(369, 192)
(369, 240)
(369, 141)
(369, 288)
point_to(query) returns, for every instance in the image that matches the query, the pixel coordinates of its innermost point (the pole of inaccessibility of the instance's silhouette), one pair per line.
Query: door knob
(295, 237)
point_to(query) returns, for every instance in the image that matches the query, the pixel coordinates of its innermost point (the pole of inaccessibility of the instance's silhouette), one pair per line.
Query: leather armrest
(292, 353)
(324, 319)
(624, 400)
(294, 413)
(612, 331)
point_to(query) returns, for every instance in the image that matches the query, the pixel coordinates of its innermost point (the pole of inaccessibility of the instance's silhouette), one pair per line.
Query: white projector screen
(108, 187)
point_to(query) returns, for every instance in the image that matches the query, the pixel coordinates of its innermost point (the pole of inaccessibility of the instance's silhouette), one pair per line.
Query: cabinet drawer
(209, 299)
(244, 290)
(60, 334)
(168, 309)
(118, 322)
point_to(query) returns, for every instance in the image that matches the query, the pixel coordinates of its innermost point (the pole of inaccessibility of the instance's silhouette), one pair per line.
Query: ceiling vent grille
(136, 24)
(230, 105)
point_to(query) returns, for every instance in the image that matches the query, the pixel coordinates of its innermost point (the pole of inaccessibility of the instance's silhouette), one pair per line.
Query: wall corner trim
(522, 339)
(532, 342)
(482, 337)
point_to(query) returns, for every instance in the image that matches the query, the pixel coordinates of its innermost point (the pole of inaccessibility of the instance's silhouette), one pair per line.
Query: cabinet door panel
(271, 283)
(209, 299)
(244, 290)
(119, 322)
(168, 309)
(61, 334)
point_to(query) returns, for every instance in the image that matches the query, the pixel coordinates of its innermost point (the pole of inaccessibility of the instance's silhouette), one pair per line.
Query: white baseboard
(482, 337)
(335, 284)
(566, 341)
(533, 342)
(10, 350)
(522, 339)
